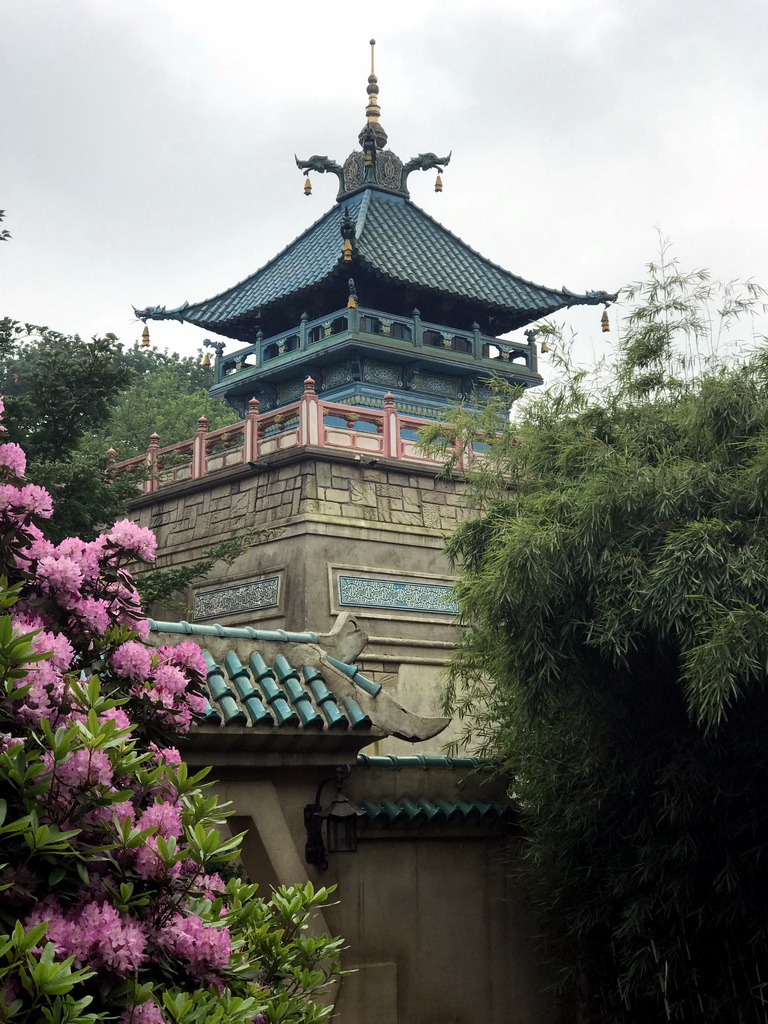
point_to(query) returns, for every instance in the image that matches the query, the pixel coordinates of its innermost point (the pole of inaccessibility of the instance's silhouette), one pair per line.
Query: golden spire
(373, 110)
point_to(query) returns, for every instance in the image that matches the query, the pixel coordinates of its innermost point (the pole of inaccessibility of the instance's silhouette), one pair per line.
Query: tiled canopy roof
(393, 238)
(279, 684)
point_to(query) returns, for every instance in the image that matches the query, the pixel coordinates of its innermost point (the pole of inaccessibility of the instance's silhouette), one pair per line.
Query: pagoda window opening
(271, 351)
(370, 325)
(400, 331)
(327, 329)
(456, 343)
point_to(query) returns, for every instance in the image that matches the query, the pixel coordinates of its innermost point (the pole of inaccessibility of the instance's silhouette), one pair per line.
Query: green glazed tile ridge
(233, 632)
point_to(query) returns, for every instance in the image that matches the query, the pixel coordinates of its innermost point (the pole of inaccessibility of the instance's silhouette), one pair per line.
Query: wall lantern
(340, 816)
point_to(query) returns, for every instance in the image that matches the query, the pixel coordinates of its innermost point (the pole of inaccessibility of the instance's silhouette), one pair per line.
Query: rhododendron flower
(84, 554)
(187, 655)
(211, 886)
(45, 694)
(132, 660)
(164, 817)
(202, 945)
(34, 499)
(83, 769)
(150, 865)
(169, 678)
(132, 537)
(59, 574)
(94, 934)
(142, 1013)
(93, 611)
(12, 457)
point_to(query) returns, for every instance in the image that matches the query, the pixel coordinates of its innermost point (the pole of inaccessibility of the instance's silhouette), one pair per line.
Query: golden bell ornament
(145, 337)
(307, 187)
(438, 184)
(206, 360)
(347, 250)
(544, 347)
(605, 325)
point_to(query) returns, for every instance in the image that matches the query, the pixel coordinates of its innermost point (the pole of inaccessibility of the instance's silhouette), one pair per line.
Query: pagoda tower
(375, 297)
(372, 322)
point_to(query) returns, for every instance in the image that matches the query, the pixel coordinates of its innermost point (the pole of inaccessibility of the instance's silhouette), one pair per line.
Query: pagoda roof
(397, 242)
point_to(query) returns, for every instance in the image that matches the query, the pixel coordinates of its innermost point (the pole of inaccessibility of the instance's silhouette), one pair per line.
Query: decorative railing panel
(359, 321)
(310, 421)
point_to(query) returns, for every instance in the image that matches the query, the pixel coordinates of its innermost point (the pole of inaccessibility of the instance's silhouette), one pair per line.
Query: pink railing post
(391, 428)
(199, 449)
(151, 485)
(310, 415)
(251, 432)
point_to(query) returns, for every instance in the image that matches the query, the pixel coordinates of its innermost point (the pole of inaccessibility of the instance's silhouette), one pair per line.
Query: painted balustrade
(310, 422)
(308, 334)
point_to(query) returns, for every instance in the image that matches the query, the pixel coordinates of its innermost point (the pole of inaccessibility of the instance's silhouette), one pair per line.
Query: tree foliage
(614, 592)
(70, 400)
(111, 904)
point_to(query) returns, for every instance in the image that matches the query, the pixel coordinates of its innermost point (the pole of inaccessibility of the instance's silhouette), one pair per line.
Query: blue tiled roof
(393, 238)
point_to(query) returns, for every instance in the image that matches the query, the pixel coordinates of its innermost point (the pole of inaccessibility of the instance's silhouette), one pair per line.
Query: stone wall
(352, 535)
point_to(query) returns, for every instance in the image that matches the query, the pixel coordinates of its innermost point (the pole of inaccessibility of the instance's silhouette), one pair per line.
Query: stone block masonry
(332, 516)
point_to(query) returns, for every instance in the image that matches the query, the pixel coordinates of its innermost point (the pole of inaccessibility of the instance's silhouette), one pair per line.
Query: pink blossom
(169, 678)
(134, 538)
(165, 755)
(60, 574)
(7, 741)
(149, 864)
(142, 1013)
(36, 500)
(45, 694)
(13, 458)
(186, 655)
(211, 886)
(164, 817)
(94, 933)
(132, 660)
(61, 650)
(9, 497)
(39, 546)
(203, 945)
(93, 611)
(84, 769)
(119, 717)
(86, 555)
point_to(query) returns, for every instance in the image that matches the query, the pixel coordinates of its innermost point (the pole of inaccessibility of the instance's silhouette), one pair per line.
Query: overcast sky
(148, 145)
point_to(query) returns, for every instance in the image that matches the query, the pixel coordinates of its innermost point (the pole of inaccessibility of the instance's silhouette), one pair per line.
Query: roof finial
(373, 110)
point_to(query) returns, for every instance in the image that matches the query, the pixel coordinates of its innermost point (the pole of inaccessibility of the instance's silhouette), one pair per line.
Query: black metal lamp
(341, 817)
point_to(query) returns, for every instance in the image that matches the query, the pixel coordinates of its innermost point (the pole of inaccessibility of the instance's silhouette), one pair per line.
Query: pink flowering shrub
(109, 848)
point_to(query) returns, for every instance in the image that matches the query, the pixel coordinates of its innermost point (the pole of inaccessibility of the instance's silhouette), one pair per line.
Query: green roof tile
(276, 693)
(421, 811)
(324, 699)
(273, 695)
(419, 761)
